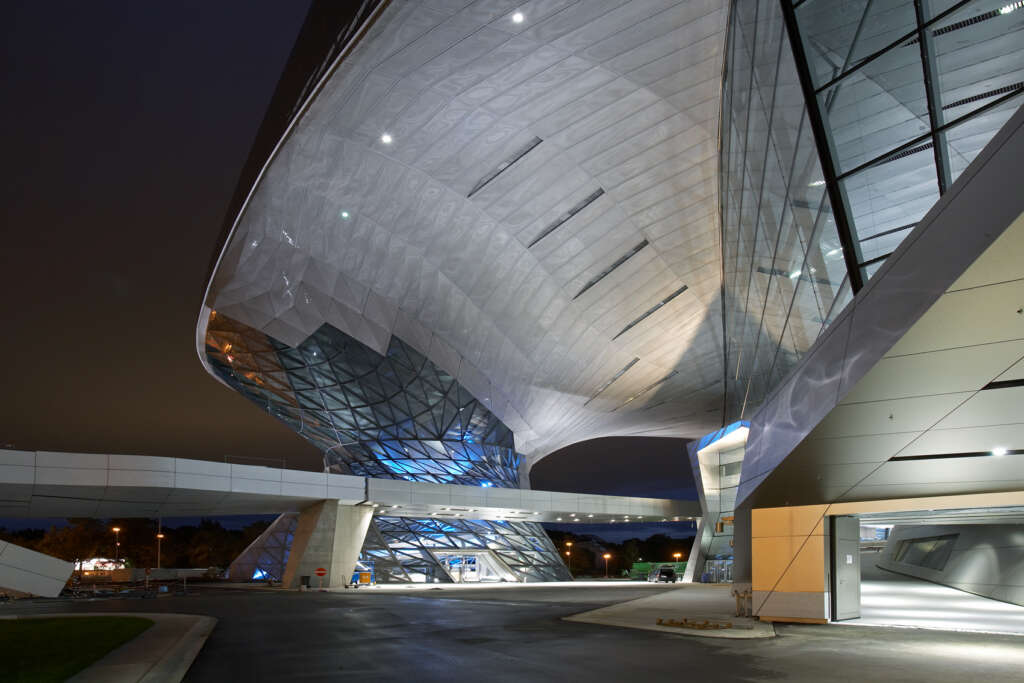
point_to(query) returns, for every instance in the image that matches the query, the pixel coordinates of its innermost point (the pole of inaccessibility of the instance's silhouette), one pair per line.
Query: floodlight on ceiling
(386, 138)
(998, 451)
(518, 18)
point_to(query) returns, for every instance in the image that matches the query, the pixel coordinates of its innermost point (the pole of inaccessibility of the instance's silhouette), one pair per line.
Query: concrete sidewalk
(160, 654)
(693, 602)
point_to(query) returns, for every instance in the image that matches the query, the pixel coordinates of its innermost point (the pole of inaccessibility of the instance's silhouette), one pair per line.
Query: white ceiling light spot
(345, 215)
(794, 275)
(998, 450)
(386, 138)
(518, 18)
(817, 183)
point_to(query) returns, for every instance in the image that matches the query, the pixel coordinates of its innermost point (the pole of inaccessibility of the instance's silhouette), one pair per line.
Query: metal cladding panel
(27, 571)
(470, 249)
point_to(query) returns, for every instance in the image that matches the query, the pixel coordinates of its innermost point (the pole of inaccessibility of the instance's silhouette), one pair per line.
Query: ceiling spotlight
(999, 451)
(817, 183)
(794, 275)
(386, 138)
(559, 519)
(345, 215)
(590, 515)
(518, 18)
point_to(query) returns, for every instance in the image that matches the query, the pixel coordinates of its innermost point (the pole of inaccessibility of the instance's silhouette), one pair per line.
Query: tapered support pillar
(328, 535)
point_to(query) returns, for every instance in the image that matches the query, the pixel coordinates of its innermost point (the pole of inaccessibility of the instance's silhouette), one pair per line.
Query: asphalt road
(506, 635)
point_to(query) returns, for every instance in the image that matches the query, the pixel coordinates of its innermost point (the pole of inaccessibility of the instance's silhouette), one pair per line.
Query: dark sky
(621, 466)
(125, 126)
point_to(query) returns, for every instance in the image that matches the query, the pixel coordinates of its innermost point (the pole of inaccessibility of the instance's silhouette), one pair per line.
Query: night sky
(125, 128)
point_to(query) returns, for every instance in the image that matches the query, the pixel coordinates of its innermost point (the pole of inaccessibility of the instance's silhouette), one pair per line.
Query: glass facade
(842, 124)
(396, 416)
(909, 91)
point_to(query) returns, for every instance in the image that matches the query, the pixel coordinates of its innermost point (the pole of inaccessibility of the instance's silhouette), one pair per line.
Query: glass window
(966, 139)
(838, 34)
(979, 55)
(929, 553)
(876, 108)
(892, 194)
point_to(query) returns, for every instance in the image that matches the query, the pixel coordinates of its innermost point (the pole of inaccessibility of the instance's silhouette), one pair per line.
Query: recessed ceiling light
(559, 519)
(999, 451)
(518, 18)
(817, 183)
(345, 215)
(794, 275)
(590, 515)
(386, 138)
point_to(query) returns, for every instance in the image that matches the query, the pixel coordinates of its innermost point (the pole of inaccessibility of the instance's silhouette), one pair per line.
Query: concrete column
(328, 535)
(698, 553)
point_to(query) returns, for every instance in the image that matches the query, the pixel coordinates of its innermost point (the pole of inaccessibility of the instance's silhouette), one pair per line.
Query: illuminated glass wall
(842, 125)
(784, 273)
(909, 92)
(396, 416)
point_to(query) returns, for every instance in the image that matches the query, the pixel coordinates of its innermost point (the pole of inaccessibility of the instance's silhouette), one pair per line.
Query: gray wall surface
(987, 559)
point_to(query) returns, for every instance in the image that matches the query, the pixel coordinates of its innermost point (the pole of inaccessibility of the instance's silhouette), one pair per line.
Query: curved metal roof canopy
(531, 201)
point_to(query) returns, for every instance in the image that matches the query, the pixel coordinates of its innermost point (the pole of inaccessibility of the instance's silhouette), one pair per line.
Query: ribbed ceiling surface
(548, 185)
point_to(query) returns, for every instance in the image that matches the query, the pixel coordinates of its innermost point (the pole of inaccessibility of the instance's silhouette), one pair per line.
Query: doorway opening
(956, 569)
(474, 566)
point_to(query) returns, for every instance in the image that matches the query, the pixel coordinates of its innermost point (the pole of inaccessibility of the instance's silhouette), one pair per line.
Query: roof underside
(543, 225)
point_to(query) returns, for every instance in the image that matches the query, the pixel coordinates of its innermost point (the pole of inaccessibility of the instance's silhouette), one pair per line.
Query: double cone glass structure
(396, 416)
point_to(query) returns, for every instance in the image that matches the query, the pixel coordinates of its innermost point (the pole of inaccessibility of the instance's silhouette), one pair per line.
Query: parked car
(665, 574)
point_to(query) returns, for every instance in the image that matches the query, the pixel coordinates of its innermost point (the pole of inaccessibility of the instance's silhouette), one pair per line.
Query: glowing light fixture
(518, 18)
(386, 138)
(1006, 9)
(794, 275)
(817, 183)
(999, 450)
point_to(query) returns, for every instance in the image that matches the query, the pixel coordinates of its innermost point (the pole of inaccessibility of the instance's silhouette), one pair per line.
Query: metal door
(845, 565)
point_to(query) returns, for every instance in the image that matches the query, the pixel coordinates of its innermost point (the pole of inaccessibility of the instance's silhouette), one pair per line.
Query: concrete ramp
(26, 571)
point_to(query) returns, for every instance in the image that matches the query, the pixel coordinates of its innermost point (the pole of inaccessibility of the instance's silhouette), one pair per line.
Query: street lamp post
(677, 556)
(117, 543)
(607, 556)
(159, 538)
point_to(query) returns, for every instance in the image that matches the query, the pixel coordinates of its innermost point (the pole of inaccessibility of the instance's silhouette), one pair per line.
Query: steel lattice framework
(401, 549)
(396, 416)
(267, 556)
